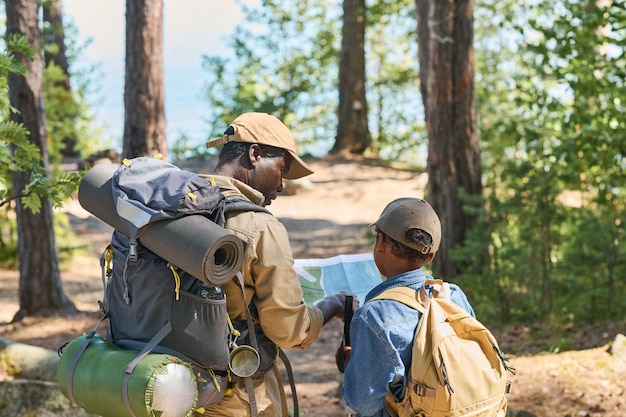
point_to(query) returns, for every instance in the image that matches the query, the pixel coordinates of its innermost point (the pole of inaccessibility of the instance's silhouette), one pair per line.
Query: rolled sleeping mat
(193, 243)
(159, 385)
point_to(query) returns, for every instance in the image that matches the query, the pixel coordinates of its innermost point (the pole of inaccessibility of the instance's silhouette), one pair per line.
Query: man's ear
(254, 154)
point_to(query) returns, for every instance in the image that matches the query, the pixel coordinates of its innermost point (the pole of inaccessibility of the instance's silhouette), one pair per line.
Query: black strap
(236, 203)
(292, 383)
(156, 339)
(69, 382)
(253, 343)
(348, 313)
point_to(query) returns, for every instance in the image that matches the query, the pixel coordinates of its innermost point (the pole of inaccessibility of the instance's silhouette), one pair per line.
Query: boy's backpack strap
(438, 288)
(404, 295)
(417, 299)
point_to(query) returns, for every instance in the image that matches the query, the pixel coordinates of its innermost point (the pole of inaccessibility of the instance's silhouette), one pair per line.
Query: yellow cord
(177, 279)
(217, 385)
(233, 331)
(108, 259)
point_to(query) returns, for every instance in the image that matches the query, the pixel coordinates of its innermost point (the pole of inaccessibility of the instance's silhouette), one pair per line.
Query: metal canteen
(244, 361)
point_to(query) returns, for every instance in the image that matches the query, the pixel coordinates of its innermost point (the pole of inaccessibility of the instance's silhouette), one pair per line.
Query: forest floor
(329, 216)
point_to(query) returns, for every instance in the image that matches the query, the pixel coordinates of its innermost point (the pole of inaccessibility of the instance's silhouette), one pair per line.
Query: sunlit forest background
(550, 103)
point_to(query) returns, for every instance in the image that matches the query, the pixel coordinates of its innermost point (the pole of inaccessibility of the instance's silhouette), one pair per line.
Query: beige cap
(265, 129)
(410, 213)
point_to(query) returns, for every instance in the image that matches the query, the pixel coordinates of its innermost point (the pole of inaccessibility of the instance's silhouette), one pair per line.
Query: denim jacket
(381, 335)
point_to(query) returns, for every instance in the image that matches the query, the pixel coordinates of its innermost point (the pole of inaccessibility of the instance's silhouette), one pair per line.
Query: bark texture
(144, 96)
(446, 56)
(353, 135)
(40, 290)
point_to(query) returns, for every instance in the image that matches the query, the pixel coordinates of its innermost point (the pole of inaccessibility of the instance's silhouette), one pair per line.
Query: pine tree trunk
(353, 135)
(144, 117)
(40, 291)
(445, 38)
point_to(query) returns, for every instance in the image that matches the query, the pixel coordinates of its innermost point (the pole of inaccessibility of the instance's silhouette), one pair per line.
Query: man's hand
(333, 305)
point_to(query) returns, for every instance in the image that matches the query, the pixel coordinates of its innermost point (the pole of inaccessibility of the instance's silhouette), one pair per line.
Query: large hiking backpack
(457, 368)
(155, 307)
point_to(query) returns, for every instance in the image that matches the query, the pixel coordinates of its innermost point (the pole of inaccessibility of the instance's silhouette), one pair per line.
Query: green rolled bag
(100, 380)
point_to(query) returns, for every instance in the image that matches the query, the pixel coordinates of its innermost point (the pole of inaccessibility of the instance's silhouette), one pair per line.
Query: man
(258, 152)
(408, 234)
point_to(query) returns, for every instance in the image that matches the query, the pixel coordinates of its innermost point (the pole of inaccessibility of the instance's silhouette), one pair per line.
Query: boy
(408, 234)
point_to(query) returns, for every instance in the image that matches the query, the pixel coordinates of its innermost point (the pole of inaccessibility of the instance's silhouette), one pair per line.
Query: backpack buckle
(132, 251)
(423, 391)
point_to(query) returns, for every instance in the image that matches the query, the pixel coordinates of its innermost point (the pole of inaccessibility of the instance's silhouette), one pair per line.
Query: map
(353, 273)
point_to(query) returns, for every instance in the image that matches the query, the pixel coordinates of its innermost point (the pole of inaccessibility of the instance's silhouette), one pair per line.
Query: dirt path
(329, 216)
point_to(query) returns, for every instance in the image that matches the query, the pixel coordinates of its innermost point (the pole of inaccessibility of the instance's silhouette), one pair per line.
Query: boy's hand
(342, 357)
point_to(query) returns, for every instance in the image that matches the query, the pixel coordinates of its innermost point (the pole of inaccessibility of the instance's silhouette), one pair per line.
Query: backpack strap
(237, 203)
(292, 385)
(165, 330)
(404, 295)
(79, 353)
(417, 299)
(253, 341)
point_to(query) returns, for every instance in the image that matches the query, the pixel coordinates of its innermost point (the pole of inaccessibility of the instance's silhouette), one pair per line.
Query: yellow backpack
(457, 367)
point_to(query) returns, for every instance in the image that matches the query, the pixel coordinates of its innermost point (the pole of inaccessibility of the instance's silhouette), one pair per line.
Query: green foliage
(286, 63)
(553, 156)
(551, 104)
(69, 116)
(10, 65)
(184, 149)
(68, 243)
(395, 107)
(18, 154)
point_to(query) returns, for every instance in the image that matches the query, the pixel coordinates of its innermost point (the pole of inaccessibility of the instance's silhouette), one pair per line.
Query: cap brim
(298, 168)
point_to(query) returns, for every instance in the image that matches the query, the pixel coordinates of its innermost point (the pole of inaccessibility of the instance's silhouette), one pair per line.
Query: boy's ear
(431, 256)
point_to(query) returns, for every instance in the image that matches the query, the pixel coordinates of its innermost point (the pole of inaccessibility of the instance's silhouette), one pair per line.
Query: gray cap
(408, 213)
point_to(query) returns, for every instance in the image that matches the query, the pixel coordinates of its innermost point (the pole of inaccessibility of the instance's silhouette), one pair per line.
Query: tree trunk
(144, 117)
(54, 34)
(446, 56)
(40, 291)
(353, 134)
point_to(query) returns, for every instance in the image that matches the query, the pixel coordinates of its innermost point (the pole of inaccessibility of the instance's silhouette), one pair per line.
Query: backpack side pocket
(200, 330)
